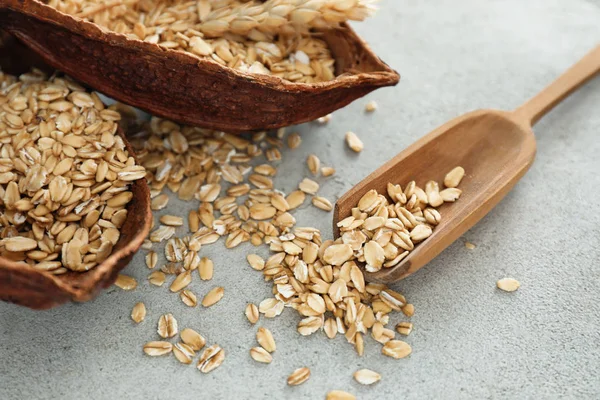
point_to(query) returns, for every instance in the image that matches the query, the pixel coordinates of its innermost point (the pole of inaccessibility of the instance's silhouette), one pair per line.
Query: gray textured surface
(470, 340)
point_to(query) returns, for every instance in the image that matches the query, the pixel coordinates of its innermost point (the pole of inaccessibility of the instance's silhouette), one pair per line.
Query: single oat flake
(181, 281)
(404, 328)
(188, 298)
(138, 313)
(167, 326)
(213, 296)
(366, 377)
(508, 284)
(252, 313)
(157, 348)
(298, 377)
(371, 106)
(354, 142)
(261, 355)
(396, 349)
(193, 339)
(211, 358)
(183, 353)
(340, 395)
(264, 337)
(126, 282)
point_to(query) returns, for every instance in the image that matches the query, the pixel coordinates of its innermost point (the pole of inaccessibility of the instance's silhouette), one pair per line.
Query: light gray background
(470, 341)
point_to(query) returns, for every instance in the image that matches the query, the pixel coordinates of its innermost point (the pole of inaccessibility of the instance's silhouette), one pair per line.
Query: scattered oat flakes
(359, 344)
(162, 233)
(469, 245)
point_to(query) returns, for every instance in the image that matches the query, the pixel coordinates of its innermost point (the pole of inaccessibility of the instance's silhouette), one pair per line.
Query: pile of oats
(64, 174)
(232, 178)
(380, 233)
(320, 279)
(237, 197)
(259, 37)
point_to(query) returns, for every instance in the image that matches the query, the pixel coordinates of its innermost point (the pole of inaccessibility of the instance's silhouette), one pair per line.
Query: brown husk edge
(186, 88)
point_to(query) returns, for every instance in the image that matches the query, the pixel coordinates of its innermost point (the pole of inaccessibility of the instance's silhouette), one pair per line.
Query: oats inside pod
(261, 37)
(65, 174)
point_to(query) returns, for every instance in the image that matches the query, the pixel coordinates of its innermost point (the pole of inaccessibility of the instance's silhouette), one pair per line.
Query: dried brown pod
(186, 88)
(26, 286)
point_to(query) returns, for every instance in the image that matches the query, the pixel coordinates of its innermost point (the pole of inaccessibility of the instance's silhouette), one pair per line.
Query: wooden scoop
(189, 89)
(495, 148)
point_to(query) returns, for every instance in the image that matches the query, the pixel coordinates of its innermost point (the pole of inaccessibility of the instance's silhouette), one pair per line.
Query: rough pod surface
(186, 88)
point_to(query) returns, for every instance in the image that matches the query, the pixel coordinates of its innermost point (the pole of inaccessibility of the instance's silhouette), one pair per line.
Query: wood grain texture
(26, 286)
(494, 147)
(186, 88)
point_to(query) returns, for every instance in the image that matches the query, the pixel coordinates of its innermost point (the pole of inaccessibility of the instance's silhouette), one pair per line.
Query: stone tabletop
(470, 340)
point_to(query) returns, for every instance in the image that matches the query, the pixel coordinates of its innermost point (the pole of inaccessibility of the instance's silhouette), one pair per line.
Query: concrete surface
(470, 341)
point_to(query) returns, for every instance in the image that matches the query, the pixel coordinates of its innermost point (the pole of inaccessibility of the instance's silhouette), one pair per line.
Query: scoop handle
(564, 85)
